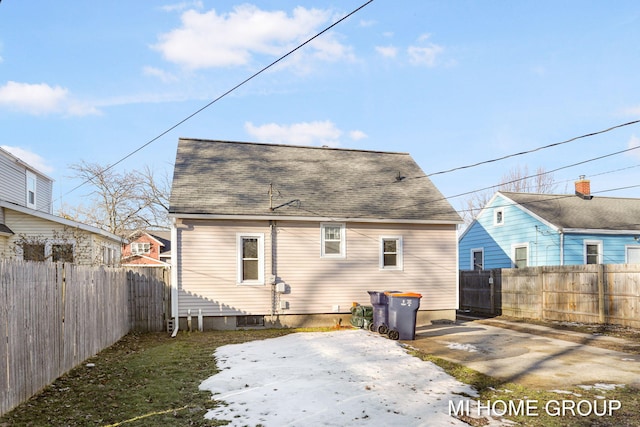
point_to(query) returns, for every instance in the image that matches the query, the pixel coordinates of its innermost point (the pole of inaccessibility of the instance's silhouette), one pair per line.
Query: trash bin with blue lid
(402, 311)
(379, 303)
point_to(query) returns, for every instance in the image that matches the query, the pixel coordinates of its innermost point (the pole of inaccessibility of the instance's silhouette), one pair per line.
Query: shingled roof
(235, 178)
(567, 211)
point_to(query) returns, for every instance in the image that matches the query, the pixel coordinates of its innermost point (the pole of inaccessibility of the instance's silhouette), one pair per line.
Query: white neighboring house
(30, 231)
(276, 235)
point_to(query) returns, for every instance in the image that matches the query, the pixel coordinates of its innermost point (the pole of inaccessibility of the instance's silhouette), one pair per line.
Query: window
(633, 254)
(520, 256)
(251, 259)
(498, 216)
(109, 256)
(33, 251)
(592, 252)
(391, 253)
(31, 190)
(62, 253)
(333, 237)
(140, 248)
(477, 259)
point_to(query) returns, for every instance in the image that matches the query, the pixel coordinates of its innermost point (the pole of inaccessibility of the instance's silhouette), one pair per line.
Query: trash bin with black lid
(379, 303)
(402, 311)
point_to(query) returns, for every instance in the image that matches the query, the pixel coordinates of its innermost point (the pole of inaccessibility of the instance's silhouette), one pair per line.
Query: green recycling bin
(402, 311)
(361, 316)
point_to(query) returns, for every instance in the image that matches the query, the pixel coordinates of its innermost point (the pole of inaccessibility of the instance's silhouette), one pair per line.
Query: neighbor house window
(62, 252)
(477, 259)
(33, 251)
(140, 248)
(251, 258)
(31, 190)
(593, 252)
(521, 256)
(633, 254)
(333, 240)
(391, 253)
(498, 216)
(109, 256)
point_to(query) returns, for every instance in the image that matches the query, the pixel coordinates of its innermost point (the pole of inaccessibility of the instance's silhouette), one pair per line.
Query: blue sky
(450, 82)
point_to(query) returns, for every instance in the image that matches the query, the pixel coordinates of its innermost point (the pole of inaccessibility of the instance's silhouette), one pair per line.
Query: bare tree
(120, 202)
(516, 180)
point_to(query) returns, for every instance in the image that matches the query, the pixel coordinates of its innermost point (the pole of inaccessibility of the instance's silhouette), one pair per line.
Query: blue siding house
(517, 230)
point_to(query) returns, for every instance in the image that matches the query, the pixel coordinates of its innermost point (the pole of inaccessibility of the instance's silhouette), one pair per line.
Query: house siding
(207, 268)
(13, 175)
(613, 247)
(87, 249)
(497, 241)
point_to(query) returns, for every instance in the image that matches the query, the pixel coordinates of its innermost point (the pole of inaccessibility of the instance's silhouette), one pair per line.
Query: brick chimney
(583, 188)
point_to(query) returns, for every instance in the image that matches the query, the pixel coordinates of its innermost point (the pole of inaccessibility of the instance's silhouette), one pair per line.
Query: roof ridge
(312, 147)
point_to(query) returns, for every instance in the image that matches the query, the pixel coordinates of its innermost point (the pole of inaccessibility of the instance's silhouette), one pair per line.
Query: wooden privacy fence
(603, 293)
(54, 316)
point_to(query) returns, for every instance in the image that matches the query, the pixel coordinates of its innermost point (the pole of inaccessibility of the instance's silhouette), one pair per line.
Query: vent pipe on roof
(583, 188)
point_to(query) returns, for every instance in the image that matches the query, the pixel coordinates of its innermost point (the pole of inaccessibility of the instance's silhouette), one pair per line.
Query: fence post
(601, 302)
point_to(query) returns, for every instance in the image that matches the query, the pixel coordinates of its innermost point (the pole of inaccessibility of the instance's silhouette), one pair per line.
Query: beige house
(28, 229)
(282, 235)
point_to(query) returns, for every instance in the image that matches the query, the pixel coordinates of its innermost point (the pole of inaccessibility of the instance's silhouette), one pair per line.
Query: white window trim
(343, 240)
(140, 252)
(471, 264)
(592, 242)
(495, 217)
(626, 252)
(239, 278)
(30, 176)
(399, 254)
(513, 253)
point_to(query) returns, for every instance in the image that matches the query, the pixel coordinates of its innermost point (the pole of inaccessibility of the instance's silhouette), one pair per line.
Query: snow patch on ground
(336, 378)
(464, 347)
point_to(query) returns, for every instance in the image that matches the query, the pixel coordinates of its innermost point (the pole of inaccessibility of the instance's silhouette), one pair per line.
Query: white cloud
(164, 76)
(387, 51)
(210, 39)
(634, 143)
(183, 6)
(424, 55)
(632, 111)
(30, 158)
(367, 23)
(41, 99)
(357, 135)
(305, 133)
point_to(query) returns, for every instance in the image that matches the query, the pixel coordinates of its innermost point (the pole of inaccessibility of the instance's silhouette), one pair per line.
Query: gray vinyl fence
(54, 316)
(601, 294)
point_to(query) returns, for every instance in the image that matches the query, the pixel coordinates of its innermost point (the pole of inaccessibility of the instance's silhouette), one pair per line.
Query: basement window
(249, 321)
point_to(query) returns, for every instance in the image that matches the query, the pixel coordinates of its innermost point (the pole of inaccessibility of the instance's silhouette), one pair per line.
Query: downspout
(274, 277)
(561, 247)
(174, 277)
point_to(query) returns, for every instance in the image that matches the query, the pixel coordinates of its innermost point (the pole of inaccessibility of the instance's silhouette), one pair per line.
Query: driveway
(531, 355)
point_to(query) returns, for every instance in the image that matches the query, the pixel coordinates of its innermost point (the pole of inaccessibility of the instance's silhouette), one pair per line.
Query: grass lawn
(152, 379)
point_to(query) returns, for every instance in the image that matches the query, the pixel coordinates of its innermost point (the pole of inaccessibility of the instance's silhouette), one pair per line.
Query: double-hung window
(333, 240)
(520, 255)
(593, 252)
(250, 258)
(391, 252)
(31, 190)
(477, 259)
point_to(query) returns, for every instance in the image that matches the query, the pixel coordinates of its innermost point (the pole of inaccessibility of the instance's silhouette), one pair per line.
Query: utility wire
(242, 83)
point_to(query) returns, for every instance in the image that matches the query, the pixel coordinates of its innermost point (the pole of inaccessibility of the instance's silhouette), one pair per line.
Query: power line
(242, 83)
(535, 149)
